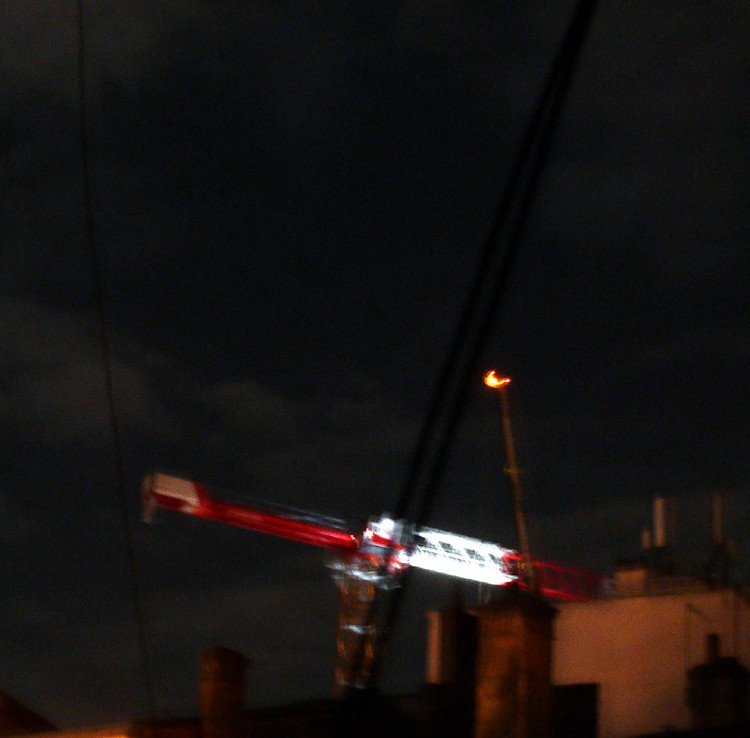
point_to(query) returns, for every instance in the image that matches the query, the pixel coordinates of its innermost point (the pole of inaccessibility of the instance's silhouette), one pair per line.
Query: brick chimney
(220, 692)
(514, 668)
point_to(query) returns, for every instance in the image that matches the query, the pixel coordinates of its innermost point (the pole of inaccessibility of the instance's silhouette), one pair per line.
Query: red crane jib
(194, 499)
(560, 581)
(266, 522)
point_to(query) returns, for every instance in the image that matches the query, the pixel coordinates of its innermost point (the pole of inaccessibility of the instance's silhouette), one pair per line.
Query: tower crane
(365, 559)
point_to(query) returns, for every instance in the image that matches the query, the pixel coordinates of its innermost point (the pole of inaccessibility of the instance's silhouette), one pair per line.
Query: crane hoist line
(383, 550)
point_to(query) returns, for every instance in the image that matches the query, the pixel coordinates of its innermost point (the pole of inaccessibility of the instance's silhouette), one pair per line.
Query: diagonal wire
(509, 225)
(106, 361)
(536, 141)
(492, 277)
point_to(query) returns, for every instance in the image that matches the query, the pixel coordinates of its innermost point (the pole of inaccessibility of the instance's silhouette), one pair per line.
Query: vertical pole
(529, 575)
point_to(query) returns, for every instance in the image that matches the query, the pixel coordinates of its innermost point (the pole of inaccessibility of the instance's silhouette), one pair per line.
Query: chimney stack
(514, 668)
(221, 690)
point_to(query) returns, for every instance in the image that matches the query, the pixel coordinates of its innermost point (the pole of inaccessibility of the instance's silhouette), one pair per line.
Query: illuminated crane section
(459, 556)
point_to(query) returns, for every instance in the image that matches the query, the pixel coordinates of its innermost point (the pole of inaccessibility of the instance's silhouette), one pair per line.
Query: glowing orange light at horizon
(491, 379)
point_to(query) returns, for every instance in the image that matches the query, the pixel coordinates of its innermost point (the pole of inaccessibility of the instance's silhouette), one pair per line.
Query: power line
(504, 240)
(499, 255)
(106, 362)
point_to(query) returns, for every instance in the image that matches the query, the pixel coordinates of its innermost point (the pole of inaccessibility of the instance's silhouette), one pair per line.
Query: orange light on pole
(492, 380)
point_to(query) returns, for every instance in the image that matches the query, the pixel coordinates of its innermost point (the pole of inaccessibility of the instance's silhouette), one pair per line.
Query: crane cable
(106, 363)
(498, 258)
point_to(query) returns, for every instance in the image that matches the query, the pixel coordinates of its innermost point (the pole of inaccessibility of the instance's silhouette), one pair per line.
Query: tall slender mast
(528, 574)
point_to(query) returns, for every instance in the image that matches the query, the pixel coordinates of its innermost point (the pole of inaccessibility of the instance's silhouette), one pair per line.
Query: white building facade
(636, 652)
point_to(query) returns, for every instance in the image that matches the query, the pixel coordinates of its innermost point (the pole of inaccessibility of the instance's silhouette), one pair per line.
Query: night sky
(289, 201)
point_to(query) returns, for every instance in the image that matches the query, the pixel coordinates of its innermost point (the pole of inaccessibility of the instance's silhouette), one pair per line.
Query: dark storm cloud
(288, 200)
(53, 382)
(338, 449)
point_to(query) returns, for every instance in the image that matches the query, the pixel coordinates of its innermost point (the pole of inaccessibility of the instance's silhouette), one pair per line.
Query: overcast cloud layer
(289, 199)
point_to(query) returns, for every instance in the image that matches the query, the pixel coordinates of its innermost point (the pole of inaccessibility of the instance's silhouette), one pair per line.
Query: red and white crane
(369, 559)
(384, 548)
